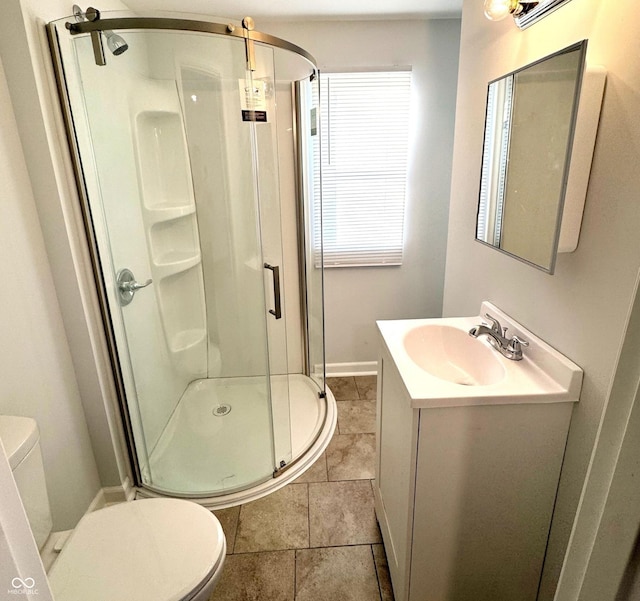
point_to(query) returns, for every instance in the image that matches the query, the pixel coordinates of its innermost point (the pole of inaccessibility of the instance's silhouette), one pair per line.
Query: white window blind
(364, 148)
(495, 161)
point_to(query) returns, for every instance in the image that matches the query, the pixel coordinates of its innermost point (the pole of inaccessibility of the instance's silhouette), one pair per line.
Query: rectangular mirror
(529, 127)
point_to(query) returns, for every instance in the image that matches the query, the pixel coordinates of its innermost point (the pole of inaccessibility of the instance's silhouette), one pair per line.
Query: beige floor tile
(343, 388)
(382, 569)
(336, 574)
(357, 417)
(342, 513)
(277, 521)
(351, 457)
(266, 576)
(367, 387)
(317, 472)
(228, 519)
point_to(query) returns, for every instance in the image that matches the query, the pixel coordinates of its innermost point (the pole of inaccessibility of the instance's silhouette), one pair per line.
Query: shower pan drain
(221, 410)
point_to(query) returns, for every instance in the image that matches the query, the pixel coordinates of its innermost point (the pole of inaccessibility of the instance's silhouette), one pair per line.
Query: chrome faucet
(511, 348)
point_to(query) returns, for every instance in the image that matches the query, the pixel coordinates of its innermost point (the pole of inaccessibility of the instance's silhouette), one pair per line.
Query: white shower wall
(222, 164)
(235, 240)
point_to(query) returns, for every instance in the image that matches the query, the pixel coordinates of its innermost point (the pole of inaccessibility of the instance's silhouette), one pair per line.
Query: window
(364, 147)
(495, 160)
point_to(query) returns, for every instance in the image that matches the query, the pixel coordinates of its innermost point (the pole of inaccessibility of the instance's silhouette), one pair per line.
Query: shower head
(115, 43)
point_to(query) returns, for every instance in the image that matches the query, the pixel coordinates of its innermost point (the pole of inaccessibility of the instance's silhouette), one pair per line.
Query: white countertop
(542, 376)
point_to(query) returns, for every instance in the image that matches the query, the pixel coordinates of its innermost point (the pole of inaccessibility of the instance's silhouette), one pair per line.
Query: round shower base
(216, 440)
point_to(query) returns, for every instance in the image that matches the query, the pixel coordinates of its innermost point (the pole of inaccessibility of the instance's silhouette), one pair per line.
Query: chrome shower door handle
(275, 269)
(127, 286)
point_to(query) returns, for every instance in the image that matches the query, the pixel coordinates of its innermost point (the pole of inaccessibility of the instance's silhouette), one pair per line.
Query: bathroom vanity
(469, 450)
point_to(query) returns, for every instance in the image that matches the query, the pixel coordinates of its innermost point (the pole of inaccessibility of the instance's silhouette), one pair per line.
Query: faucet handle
(495, 325)
(515, 346)
(519, 341)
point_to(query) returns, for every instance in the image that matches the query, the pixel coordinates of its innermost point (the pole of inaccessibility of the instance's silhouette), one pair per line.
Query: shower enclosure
(184, 135)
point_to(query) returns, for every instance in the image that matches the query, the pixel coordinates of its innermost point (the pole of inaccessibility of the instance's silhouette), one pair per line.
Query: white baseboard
(363, 368)
(110, 495)
(118, 494)
(98, 502)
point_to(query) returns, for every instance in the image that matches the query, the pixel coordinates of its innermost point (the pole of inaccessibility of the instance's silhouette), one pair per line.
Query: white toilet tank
(21, 440)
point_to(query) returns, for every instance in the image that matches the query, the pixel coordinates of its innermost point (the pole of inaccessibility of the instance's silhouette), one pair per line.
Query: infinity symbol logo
(26, 583)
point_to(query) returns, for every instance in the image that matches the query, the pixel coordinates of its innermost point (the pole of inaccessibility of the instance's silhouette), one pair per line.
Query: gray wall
(38, 379)
(356, 297)
(581, 310)
(58, 345)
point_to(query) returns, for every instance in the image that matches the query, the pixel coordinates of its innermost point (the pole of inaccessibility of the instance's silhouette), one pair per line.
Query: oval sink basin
(451, 354)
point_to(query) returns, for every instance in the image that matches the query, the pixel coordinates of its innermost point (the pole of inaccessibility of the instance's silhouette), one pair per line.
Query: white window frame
(365, 119)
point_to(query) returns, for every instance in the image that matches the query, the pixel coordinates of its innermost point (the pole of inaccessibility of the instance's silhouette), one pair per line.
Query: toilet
(151, 549)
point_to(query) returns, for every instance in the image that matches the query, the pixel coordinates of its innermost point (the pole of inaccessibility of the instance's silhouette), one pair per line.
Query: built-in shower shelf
(175, 262)
(168, 211)
(187, 339)
(170, 222)
(166, 270)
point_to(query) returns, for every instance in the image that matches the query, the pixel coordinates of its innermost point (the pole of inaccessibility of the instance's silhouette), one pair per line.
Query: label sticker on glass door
(257, 116)
(253, 100)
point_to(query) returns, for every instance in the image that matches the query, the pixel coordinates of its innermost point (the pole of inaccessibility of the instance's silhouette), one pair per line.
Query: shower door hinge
(282, 465)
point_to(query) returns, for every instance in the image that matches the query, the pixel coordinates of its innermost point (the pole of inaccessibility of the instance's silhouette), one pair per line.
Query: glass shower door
(170, 169)
(243, 136)
(261, 99)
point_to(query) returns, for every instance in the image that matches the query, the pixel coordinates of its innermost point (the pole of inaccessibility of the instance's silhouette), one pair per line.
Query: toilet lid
(152, 549)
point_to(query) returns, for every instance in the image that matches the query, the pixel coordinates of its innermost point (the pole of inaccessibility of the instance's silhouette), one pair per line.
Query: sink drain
(221, 410)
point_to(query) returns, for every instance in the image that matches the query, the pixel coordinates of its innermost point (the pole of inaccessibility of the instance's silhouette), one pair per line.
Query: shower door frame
(162, 23)
(153, 23)
(303, 242)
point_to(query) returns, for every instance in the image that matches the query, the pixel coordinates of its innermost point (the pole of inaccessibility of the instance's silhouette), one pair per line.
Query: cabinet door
(486, 484)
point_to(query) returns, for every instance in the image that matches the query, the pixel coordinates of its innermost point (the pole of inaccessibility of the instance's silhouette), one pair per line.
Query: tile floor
(316, 539)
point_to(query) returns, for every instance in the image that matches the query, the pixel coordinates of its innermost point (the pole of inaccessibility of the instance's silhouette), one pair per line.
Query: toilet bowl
(151, 549)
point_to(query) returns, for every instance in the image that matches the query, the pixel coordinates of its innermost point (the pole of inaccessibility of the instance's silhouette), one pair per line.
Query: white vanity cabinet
(464, 493)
